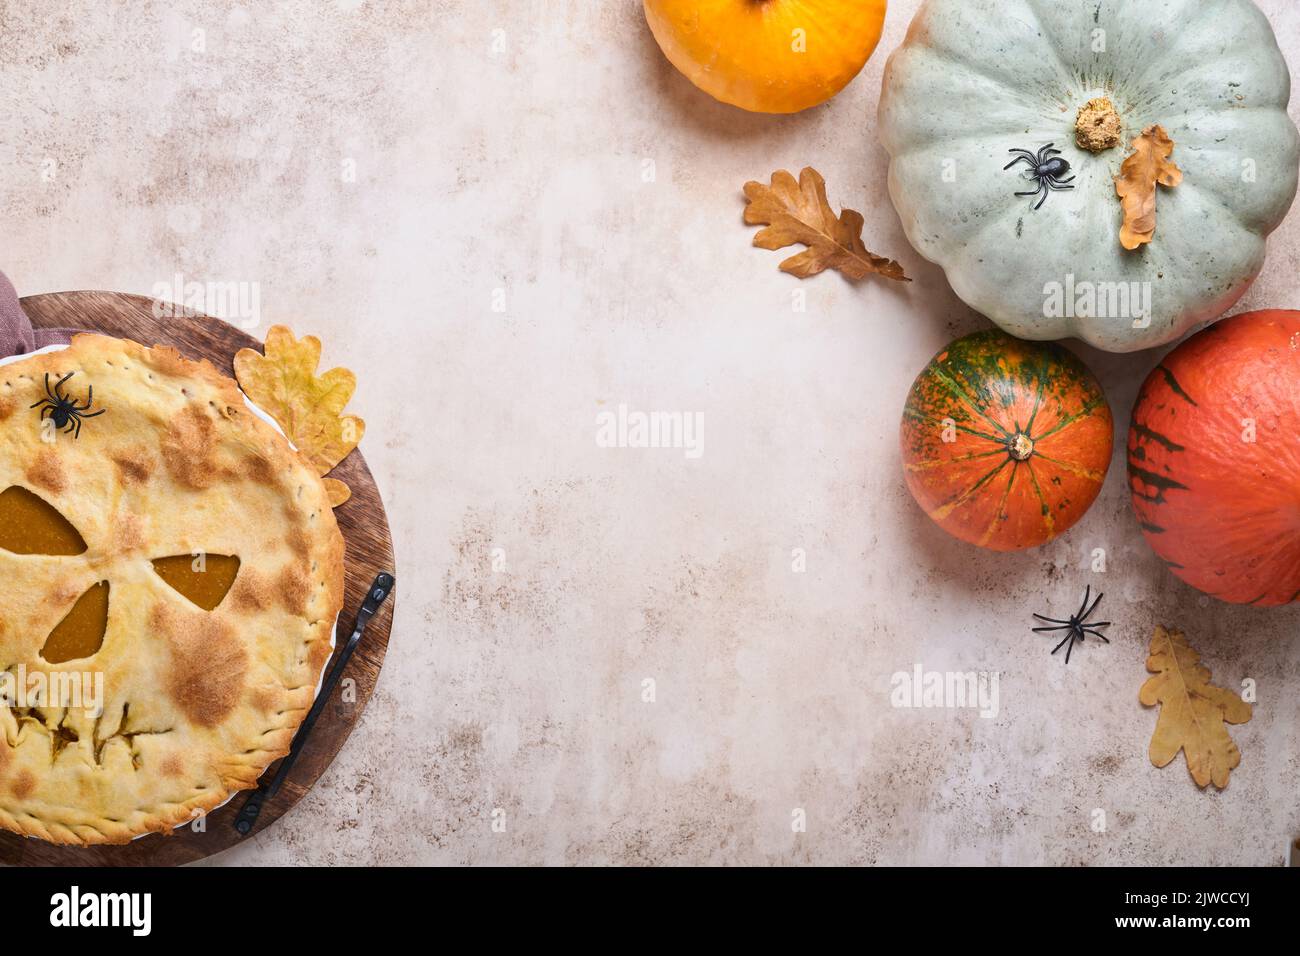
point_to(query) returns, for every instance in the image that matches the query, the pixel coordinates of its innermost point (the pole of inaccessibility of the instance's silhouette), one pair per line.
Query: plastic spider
(1046, 168)
(66, 412)
(1076, 628)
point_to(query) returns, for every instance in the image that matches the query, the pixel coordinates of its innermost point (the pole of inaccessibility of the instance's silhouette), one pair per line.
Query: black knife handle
(379, 590)
(248, 812)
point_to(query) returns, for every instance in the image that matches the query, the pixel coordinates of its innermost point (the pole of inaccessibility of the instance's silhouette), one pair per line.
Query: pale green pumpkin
(976, 79)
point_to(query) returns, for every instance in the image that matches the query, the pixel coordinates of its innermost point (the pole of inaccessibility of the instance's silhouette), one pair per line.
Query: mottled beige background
(501, 145)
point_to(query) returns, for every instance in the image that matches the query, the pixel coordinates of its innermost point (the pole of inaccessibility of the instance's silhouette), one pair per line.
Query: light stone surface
(507, 146)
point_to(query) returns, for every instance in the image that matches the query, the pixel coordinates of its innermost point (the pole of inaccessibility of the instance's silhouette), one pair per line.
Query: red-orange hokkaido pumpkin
(1214, 459)
(1006, 443)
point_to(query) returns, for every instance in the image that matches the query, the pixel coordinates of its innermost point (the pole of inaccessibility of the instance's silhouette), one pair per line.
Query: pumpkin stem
(1020, 447)
(1097, 126)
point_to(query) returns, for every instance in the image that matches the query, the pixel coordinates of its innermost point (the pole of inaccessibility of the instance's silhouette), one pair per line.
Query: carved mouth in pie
(62, 735)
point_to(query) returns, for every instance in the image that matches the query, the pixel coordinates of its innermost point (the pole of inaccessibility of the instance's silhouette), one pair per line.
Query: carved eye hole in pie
(31, 525)
(81, 632)
(203, 579)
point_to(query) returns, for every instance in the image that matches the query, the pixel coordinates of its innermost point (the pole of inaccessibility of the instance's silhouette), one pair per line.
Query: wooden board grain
(369, 551)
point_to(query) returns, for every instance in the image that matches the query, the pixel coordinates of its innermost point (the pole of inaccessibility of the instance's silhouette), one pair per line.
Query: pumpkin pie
(171, 571)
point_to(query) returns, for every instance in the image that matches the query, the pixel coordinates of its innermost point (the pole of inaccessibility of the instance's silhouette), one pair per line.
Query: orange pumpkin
(1005, 443)
(768, 56)
(1214, 459)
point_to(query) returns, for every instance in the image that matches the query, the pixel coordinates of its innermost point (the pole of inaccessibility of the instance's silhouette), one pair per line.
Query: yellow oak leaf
(309, 407)
(338, 491)
(1149, 164)
(1192, 711)
(800, 213)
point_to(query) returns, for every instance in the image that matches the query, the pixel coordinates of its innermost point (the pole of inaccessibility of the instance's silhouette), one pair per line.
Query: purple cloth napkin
(17, 337)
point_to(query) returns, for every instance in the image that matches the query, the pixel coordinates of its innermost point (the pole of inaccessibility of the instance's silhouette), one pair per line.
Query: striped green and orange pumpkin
(1006, 443)
(1214, 459)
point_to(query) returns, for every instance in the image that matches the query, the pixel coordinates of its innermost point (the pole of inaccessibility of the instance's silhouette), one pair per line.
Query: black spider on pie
(66, 413)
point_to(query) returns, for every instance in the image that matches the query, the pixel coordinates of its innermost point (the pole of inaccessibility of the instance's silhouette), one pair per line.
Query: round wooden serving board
(369, 551)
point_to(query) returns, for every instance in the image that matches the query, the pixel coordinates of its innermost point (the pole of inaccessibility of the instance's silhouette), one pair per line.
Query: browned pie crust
(196, 703)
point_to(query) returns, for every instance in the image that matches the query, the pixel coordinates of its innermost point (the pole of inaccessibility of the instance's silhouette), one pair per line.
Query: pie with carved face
(170, 575)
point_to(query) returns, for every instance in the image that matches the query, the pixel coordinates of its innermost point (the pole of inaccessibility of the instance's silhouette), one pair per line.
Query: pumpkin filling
(204, 579)
(30, 525)
(81, 633)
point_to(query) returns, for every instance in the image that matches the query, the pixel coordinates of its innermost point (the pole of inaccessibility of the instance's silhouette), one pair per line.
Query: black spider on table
(65, 412)
(1076, 628)
(1046, 168)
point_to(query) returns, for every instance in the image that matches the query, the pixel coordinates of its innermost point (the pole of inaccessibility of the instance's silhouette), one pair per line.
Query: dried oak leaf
(338, 491)
(1193, 711)
(799, 213)
(309, 407)
(1136, 184)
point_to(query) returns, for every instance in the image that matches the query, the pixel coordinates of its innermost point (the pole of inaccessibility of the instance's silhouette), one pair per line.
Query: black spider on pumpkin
(65, 412)
(1075, 627)
(1046, 169)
